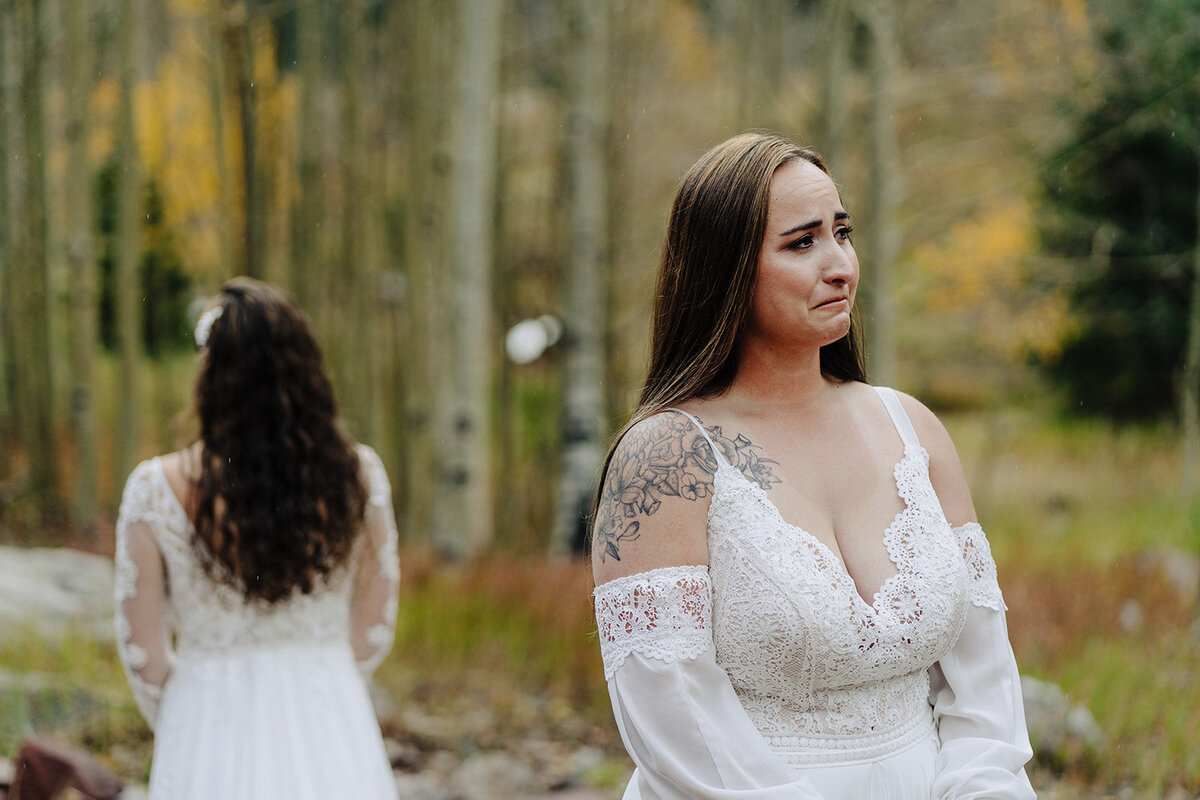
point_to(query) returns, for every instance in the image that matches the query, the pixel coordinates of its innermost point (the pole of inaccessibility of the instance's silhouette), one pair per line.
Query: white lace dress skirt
(281, 721)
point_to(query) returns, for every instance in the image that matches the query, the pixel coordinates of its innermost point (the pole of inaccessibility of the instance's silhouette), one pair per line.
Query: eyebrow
(816, 223)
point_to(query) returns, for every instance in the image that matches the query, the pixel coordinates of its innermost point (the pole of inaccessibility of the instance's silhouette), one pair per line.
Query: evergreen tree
(1120, 209)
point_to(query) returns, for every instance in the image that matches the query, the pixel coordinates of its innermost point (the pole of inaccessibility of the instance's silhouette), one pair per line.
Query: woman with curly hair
(267, 552)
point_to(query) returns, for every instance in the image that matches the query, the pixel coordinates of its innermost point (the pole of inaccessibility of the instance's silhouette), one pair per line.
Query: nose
(842, 266)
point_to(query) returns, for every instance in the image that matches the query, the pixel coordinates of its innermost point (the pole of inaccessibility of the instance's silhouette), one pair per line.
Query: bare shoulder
(182, 469)
(654, 502)
(946, 471)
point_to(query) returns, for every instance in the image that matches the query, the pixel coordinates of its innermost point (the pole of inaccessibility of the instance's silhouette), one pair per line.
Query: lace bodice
(805, 653)
(161, 586)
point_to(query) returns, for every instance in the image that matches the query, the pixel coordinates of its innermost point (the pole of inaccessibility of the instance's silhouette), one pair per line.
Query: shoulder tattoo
(668, 458)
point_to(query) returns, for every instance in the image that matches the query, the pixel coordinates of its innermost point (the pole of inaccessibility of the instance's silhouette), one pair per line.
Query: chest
(784, 599)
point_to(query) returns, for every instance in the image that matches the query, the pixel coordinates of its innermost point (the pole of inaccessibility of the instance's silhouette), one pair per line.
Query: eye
(803, 243)
(843, 233)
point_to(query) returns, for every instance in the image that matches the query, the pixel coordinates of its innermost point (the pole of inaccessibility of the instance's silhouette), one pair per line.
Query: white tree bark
(464, 523)
(584, 424)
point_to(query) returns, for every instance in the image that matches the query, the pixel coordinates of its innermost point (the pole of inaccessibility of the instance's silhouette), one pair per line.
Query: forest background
(468, 199)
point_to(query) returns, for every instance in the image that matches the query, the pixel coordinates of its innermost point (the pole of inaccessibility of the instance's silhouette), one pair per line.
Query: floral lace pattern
(210, 617)
(807, 655)
(977, 553)
(663, 614)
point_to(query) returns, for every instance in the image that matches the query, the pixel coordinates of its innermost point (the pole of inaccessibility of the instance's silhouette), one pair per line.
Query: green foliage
(165, 282)
(1120, 206)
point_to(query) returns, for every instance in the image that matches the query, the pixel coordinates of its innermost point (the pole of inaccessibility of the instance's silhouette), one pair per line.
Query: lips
(830, 302)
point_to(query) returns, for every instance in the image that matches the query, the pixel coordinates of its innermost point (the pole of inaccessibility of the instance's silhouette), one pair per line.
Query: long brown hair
(707, 274)
(279, 498)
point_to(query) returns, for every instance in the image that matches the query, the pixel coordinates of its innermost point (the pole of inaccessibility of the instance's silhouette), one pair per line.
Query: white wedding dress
(765, 675)
(251, 700)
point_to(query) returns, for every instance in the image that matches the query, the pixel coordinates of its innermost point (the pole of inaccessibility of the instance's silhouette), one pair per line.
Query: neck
(774, 378)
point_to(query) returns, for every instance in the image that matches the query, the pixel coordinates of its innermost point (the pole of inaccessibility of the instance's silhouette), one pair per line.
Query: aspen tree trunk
(31, 286)
(239, 48)
(1190, 393)
(465, 524)
(583, 419)
(7, 346)
(84, 331)
(883, 240)
(758, 61)
(359, 271)
(127, 293)
(216, 98)
(310, 199)
(427, 380)
(835, 103)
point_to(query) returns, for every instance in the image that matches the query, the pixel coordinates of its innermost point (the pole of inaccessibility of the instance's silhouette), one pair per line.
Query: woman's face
(807, 267)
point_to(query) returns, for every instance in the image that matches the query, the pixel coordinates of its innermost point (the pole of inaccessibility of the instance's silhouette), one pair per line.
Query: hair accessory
(205, 323)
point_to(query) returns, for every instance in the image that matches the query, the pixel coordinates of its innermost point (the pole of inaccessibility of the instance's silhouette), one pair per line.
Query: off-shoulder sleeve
(143, 639)
(975, 691)
(676, 710)
(377, 581)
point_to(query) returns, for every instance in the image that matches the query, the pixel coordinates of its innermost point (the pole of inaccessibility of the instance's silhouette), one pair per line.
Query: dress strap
(899, 416)
(716, 450)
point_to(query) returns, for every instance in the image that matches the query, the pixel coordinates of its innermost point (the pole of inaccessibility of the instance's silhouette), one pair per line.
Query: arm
(377, 579)
(975, 689)
(677, 712)
(143, 639)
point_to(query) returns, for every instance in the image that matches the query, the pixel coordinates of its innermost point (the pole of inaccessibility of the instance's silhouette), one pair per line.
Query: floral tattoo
(668, 458)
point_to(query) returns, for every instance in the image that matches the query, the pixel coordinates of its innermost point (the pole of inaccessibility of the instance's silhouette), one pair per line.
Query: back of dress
(253, 699)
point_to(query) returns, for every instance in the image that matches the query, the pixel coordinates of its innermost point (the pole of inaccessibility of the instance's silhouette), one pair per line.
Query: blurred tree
(463, 510)
(161, 284)
(584, 426)
(7, 344)
(882, 241)
(309, 207)
(84, 330)
(1120, 207)
(127, 300)
(427, 37)
(238, 37)
(29, 282)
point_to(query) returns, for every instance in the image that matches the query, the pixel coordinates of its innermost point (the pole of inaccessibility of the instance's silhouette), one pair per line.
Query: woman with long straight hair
(267, 552)
(794, 598)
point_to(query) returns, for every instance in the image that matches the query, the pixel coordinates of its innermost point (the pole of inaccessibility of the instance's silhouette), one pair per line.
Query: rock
(1055, 724)
(420, 787)
(403, 755)
(1131, 616)
(55, 591)
(494, 776)
(1180, 569)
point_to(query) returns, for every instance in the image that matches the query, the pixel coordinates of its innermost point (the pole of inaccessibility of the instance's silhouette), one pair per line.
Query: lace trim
(983, 585)
(665, 614)
(135, 506)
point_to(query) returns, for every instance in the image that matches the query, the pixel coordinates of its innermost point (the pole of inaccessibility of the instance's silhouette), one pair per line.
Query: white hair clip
(205, 323)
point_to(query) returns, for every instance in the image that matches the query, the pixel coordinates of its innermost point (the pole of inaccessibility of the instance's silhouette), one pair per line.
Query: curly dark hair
(279, 498)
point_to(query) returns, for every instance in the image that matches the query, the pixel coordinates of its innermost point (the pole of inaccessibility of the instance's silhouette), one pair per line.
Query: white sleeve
(143, 639)
(976, 695)
(377, 579)
(676, 710)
